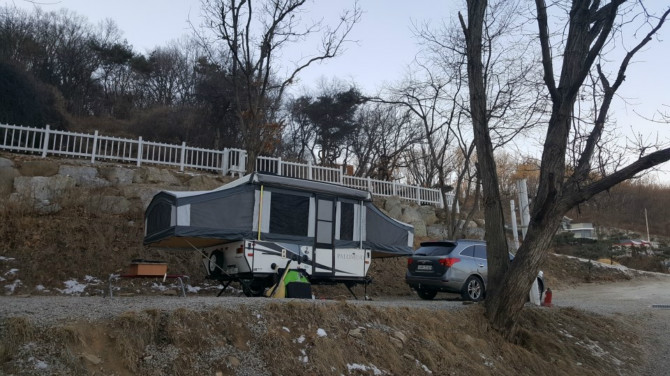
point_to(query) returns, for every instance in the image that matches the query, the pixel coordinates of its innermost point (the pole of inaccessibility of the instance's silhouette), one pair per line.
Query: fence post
(183, 156)
(279, 166)
(418, 195)
(139, 151)
(309, 170)
(395, 188)
(370, 185)
(95, 146)
(45, 141)
(342, 175)
(225, 161)
(243, 163)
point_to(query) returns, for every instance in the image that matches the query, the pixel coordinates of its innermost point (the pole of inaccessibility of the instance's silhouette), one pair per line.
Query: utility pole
(646, 220)
(524, 207)
(514, 228)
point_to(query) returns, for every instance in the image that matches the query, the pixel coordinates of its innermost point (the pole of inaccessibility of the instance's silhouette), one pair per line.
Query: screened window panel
(346, 221)
(232, 213)
(159, 217)
(289, 214)
(325, 210)
(324, 232)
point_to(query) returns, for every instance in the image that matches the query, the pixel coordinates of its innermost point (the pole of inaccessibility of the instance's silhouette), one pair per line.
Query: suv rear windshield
(434, 250)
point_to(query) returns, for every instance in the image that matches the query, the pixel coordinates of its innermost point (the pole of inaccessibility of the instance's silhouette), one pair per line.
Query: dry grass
(282, 338)
(49, 249)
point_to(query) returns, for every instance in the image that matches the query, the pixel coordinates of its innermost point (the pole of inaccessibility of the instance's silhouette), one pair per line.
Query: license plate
(424, 267)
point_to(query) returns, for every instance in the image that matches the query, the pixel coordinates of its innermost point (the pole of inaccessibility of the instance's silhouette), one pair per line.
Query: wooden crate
(148, 268)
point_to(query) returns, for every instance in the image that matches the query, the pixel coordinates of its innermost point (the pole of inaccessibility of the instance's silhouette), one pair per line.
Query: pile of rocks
(425, 219)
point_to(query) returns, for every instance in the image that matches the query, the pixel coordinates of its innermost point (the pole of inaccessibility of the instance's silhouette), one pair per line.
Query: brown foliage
(623, 207)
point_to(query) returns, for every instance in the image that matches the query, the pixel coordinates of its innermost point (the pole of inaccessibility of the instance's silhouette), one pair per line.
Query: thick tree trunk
(497, 248)
(503, 309)
(589, 28)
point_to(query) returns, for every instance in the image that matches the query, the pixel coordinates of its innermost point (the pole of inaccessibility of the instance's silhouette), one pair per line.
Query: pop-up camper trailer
(254, 225)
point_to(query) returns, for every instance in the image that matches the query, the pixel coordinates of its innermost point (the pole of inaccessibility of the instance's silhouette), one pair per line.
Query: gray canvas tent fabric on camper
(276, 208)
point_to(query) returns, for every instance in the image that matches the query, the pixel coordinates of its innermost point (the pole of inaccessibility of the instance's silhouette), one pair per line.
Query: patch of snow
(11, 272)
(193, 289)
(303, 359)
(258, 315)
(321, 333)
(286, 329)
(487, 362)
(565, 333)
(3, 258)
(2, 279)
(38, 364)
(595, 349)
(158, 286)
(73, 287)
(423, 366)
(364, 368)
(301, 339)
(601, 264)
(11, 287)
(91, 279)
(39, 288)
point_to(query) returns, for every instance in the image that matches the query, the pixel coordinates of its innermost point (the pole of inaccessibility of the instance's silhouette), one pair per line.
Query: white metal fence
(46, 141)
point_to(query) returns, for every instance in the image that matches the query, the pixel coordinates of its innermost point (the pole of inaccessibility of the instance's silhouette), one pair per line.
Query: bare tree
(253, 33)
(432, 100)
(590, 25)
(385, 132)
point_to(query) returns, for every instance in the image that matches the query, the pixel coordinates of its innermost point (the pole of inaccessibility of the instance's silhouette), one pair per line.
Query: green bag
(294, 276)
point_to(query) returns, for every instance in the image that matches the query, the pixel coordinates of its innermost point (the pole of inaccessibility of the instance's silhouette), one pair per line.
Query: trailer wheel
(215, 265)
(252, 287)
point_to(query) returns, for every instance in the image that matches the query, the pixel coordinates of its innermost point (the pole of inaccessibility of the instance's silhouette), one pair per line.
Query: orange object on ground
(547, 298)
(147, 268)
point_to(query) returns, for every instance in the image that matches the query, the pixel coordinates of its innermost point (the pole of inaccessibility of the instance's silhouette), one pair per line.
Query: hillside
(265, 337)
(66, 241)
(66, 223)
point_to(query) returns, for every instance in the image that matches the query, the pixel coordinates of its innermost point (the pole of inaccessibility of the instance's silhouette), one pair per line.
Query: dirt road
(636, 298)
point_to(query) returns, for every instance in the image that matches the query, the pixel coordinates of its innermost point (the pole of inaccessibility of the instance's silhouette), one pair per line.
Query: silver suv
(458, 266)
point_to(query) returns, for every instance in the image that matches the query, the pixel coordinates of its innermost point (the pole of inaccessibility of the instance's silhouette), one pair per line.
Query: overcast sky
(384, 48)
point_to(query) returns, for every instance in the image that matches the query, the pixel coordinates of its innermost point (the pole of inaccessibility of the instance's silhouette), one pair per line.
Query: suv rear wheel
(426, 294)
(473, 289)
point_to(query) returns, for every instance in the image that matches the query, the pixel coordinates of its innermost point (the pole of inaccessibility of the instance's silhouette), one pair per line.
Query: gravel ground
(635, 298)
(44, 310)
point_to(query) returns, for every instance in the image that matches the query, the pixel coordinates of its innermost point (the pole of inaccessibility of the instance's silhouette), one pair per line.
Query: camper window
(346, 221)
(289, 214)
(159, 217)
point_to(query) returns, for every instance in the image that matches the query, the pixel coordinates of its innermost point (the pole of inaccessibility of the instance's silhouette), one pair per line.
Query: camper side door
(323, 259)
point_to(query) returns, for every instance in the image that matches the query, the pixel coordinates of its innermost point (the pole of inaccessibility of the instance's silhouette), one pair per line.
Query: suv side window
(469, 251)
(480, 251)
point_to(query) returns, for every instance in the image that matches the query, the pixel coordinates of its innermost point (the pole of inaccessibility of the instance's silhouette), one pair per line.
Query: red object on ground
(547, 299)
